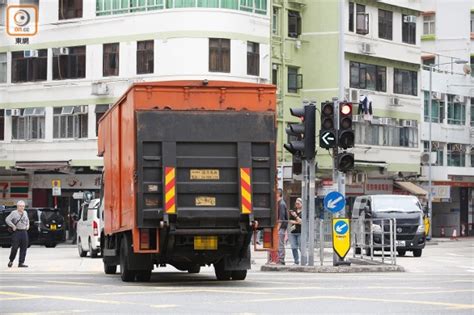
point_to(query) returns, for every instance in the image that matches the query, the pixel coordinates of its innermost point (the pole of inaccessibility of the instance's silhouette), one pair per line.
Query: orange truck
(189, 175)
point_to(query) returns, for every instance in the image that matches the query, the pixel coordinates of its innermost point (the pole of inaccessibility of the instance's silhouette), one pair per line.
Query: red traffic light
(345, 109)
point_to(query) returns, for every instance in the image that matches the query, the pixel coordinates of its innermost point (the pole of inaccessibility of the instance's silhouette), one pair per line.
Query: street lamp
(430, 198)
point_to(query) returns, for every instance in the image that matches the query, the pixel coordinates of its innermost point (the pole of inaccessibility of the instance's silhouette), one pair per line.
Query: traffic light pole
(307, 226)
(311, 210)
(305, 217)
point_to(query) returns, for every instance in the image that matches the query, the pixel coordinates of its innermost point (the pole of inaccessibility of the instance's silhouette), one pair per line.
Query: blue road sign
(341, 227)
(334, 202)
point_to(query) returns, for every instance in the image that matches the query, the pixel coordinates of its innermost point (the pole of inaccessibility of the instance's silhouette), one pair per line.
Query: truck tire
(221, 273)
(239, 274)
(93, 252)
(194, 269)
(82, 253)
(417, 252)
(143, 275)
(401, 252)
(126, 274)
(110, 269)
(50, 245)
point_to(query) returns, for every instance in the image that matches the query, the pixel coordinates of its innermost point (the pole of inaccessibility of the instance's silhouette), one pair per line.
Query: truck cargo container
(189, 175)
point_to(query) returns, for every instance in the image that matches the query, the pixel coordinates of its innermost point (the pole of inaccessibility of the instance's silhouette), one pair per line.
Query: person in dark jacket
(295, 230)
(282, 226)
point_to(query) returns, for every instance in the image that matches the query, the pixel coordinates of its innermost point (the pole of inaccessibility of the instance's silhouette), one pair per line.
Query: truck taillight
(144, 239)
(267, 238)
(95, 227)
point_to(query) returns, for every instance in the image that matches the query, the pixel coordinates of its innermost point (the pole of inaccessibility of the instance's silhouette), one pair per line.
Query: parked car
(89, 228)
(46, 227)
(407, 210)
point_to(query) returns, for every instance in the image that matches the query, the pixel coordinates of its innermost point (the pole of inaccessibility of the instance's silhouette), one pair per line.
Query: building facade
(448, 48)
(382, 50)
(85, 55)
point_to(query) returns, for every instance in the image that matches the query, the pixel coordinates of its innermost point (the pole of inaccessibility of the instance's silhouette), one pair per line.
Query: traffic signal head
(345, 162)
(301, 135)
(345, 134)
(327, 133)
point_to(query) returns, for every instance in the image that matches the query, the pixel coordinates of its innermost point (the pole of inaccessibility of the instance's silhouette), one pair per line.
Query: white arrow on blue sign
(334, 202)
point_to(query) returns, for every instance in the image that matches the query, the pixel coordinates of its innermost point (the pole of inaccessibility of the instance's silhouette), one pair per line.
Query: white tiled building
(85, 55)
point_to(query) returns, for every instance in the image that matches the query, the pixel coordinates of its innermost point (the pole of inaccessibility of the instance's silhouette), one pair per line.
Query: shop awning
(411, 188)
(48, 166)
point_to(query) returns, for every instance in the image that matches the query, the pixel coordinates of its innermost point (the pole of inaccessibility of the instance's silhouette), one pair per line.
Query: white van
(89, 227)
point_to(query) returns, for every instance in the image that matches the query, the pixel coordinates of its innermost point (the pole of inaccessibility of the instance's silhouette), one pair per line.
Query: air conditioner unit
(384, 121)
(408, 123)
(366, 48)
(459, 99)
(60, 51)
(354, 95)
(395, 101)
(99, 88)
(427, 158)
(436, 95)
(3, 1)
(409, 19)
(82, 109)
(30, 54)
(15, 112)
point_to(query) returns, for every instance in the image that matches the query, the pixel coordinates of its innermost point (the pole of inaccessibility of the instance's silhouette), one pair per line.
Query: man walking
(282, 226)
(19, 222)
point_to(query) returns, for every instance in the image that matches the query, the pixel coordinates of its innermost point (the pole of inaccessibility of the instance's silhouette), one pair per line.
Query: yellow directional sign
(341, 236)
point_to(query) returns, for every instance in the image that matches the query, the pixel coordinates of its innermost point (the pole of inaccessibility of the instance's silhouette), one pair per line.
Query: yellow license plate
(205, 201)
(53, 227)
(205, 242)
(204, 175)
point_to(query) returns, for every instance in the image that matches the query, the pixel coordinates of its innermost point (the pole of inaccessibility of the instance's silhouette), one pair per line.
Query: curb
(333, 269)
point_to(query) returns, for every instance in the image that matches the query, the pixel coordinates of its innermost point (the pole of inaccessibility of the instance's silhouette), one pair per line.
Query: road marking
(67, 282)
(345, 298)
(53, 312)
(439, 291)
(197, 290)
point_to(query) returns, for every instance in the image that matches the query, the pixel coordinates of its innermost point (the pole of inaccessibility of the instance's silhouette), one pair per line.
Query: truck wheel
(126, 274)
(401, 252)
(239, 274)
(221, 273)
(143, 275)
(194, 269)
(50, 245)
(110, 269)
(93, 252)
(417, 252)
(82, 253)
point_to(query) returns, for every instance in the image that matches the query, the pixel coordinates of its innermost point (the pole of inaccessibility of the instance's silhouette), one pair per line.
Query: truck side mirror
(368, 212)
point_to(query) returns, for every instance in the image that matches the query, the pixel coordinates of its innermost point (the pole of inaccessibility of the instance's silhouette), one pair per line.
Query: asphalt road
(58, 281)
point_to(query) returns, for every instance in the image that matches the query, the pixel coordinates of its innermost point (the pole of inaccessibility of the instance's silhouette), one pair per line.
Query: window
(294, 24)
(456, 154)
(70, 122)
(111, 59)
(428, 61)
(437, 109)
(145, 51)
(2, 124)
(351, 16)
(409, 29)
(70, 9)
(472, 65)
(385, 24)
(275, 74)
(472, 113)
(3, 67)
(219, 55)
(396, 133)
(472, 22)
(429, 24)
(435, 147)
(369, 77)
(275, 20)
(362, 20)
(472, 157)
(28, 124)
(456, 110)
(253, 58)
(69, 63)
(99, 112)
(29, 65)
(405, 82)
(295, 80)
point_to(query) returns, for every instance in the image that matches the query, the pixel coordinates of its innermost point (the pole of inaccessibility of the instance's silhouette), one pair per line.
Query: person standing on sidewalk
(19, 222)
(295, 230)
(282, 226)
